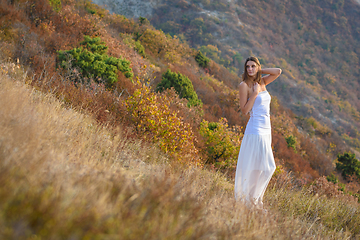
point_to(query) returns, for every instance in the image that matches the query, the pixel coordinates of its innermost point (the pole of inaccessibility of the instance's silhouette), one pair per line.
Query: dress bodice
(259, 122)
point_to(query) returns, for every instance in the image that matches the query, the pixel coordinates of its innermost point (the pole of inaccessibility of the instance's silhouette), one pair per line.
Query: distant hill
(316, 43)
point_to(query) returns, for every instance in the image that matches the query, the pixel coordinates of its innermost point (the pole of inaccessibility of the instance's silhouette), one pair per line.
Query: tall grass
(63, 176)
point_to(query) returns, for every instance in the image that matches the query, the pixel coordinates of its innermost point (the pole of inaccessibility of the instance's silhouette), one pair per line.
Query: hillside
(106, 65)
(64, 176)
(94, 143)
(315, 43)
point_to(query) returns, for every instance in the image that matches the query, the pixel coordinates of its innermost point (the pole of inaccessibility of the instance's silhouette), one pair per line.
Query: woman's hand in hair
(273, 73)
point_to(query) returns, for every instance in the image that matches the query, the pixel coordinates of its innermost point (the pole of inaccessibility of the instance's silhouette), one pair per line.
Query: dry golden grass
(63, 176)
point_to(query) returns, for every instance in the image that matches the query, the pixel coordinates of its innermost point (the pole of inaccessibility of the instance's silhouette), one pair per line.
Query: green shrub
(182, 85)
(143, 21)
(92, 61)
(311, 121)
(291, 142)
(140, 48)
(202, 60)
(162, 46)
(213, 53)
(130, 41)
(55, 4)
(93, 9)
(222, 143)
(348, 165)
(342, 187)
(332, 178)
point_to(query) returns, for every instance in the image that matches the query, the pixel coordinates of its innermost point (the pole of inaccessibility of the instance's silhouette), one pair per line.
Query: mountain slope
(207, 135)
(64, 176)
(315, 43)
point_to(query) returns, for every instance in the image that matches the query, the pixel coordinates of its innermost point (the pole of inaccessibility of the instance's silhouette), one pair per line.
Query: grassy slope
(64, 176)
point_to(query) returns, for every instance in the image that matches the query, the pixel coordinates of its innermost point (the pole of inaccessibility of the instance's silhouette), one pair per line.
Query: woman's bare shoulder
(244, 89)
(243, 85)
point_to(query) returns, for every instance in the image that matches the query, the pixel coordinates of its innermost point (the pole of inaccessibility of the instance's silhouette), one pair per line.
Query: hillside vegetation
(105, 118)
(316, 43)
(64, 176)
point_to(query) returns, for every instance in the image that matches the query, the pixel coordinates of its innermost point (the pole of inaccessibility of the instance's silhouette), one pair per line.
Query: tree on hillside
(93, 62)
(202, 60)
(182, 85)
(348, 165)
(291, 142)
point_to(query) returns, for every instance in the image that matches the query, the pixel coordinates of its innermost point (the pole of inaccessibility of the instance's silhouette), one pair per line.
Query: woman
(256, 161)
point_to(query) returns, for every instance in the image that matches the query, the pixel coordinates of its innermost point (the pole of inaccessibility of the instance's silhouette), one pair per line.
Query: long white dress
(256, 163)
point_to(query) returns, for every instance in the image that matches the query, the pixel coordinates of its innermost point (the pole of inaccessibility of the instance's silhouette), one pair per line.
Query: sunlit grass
(63, 176)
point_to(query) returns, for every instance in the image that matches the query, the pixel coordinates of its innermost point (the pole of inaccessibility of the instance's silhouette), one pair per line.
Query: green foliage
(312, 122)
(94, 9)
(291, 142)
(278, 171)
(129, 39)
(93, 62)
(348, 165)
(238, 59)
(212, 52)
(182, 85)
(332, 178)
(140, 48)
(198, 23)
(170, 27)
(312, 126)
(222, 143)
(342, 187)
(143, 20)
(163, 46)
(55, 4)
(202, 60)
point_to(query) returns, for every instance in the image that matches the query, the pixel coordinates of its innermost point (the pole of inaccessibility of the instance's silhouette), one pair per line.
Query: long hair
(245, 75)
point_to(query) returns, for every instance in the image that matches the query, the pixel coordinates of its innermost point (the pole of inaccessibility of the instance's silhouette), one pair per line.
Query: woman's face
(252, 68)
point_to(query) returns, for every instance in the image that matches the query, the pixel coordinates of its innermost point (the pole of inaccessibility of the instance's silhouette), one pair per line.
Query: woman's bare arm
(245, 103)
(273, 74)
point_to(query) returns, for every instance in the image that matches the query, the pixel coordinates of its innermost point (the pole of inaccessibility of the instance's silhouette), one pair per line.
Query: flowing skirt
(254, 169)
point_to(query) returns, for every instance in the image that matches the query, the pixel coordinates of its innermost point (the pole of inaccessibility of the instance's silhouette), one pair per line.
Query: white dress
(256, 163)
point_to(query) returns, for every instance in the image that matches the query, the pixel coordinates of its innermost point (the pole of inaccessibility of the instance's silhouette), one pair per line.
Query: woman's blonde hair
(245, 75)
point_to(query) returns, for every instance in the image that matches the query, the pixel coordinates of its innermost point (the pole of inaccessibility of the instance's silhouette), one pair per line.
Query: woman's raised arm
(273, 74)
